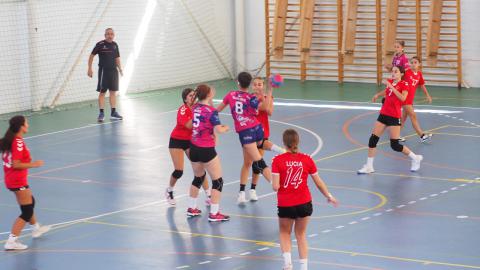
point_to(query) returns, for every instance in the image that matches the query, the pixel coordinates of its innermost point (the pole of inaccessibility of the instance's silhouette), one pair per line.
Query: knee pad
(177, 174)
(372, 142)
(218, 184)
(27, 212)
(258, 166)
(396, 146)
(198, 181)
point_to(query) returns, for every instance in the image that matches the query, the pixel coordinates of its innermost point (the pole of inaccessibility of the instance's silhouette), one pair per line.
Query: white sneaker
(169, 197)
(287, 267)
(253, 195)
(416, 163)
(426, 137)
(14, 244)
(40, 231)
(366, 170)
(241, 198)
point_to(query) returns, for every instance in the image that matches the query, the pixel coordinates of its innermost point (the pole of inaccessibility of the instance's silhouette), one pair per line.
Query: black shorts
(202, 154)
(297, 211)
(260, 146)
(107, 79)
(389, 120)
(179, 144)
(19, 188)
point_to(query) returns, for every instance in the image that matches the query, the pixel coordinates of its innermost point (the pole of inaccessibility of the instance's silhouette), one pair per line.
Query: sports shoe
(101, 117)
(14, 244)
(366, 170)
(208, 201)
(253, 195)
(426, 137)
(287, 267)
(40, 231)
(218, 217)
(169, 197)
(116, 116)
(241, 198)
(193, 212)
(402, 139)
(416, 163)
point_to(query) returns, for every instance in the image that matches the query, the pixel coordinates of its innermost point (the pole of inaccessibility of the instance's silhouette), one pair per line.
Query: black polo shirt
(107, 53)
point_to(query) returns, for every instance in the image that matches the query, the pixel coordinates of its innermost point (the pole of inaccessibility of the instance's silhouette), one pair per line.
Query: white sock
(214, 208)
(35, 226)
(192, 202)
(208, 192)
(412, 155)
(303, 264)
(287, 258)
(370, 162)
(170, 189)
(12, 237)
(277, 149)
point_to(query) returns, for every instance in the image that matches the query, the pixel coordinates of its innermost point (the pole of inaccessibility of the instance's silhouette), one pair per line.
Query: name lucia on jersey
(293, 164)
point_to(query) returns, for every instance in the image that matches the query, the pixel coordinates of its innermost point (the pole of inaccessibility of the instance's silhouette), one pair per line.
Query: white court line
(366, 102)
(205, 262)
(245, 253)
(225, 258)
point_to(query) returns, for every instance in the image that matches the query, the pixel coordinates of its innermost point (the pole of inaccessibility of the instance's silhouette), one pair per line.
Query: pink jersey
(401, 61)
(205, 118)
(244, 109)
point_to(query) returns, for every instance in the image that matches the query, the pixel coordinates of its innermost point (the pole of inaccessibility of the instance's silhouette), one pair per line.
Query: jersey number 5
(196, 120)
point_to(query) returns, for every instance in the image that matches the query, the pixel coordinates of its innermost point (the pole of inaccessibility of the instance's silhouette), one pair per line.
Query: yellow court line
(395, 258)
(274, 244)
(383, 201)
(455, 134)
(459, 180)
(464, 126)
(365, 147)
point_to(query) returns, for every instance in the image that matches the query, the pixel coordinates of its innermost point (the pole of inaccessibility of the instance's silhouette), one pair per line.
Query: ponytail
(16, 123)
(291, 140)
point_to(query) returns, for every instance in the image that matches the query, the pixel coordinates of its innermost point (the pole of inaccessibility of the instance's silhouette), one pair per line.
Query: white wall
(471, 41)
(45, 46)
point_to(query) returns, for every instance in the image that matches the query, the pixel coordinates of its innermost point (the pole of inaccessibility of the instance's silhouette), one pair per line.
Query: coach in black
(109, 62)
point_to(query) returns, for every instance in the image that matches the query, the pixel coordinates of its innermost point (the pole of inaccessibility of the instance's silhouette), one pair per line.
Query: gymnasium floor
(102, 185)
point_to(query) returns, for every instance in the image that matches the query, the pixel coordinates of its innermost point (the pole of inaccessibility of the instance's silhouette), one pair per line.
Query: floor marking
(401, 206)
(433, 195)
(353, 223)
(365, 218)
(423, 198)
(204, 262)
(183, 266)
(389, 210)
(340, 227)
(444, 191)
(312, 235)
(326, 231)
(377, 214)
(245, 253)
(263, 249)
(412, 202)
(225, 258)
(454, 188)
(461, 217)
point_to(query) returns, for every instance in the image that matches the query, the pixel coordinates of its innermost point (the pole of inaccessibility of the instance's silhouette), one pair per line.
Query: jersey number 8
(238, 107)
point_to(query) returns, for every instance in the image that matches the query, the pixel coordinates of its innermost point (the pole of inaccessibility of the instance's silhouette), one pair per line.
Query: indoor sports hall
(102, 188)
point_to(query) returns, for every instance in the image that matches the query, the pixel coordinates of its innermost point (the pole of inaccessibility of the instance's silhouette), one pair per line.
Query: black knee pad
(254, 170)
(218, 184)
(27, 212)
(198, 180)
(396, 146)
(177, 174)
(258, 166)
(372, 142)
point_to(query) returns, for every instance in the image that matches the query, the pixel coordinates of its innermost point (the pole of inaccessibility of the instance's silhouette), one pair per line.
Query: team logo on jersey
(182, 110)
(20, 146)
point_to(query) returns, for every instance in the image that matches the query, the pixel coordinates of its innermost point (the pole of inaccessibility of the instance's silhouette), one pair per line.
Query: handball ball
(276, 80)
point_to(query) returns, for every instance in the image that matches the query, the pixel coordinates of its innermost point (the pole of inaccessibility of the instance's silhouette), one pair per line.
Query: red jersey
(414, 79)
(294, 170)
(181, 132)
(262, 117)
(393, 105)
(15, 178)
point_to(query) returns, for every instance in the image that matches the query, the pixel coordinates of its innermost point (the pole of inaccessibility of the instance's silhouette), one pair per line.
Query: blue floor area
(102, 187)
